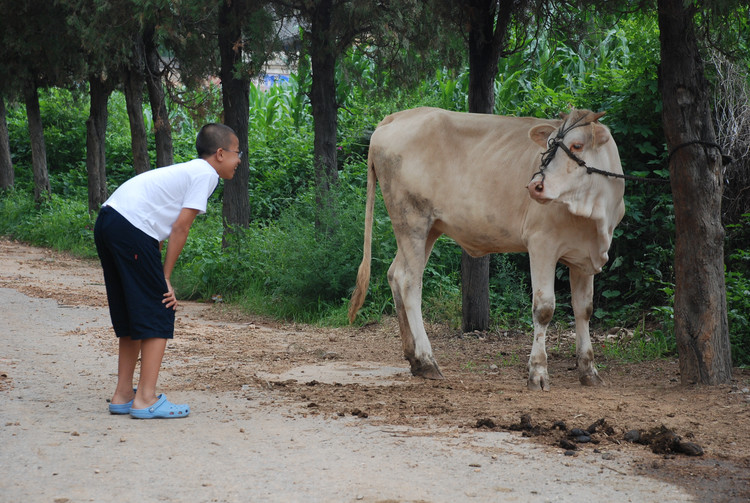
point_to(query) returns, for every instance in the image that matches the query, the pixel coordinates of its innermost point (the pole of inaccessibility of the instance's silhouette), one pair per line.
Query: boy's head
(212, 137)
(218, 144)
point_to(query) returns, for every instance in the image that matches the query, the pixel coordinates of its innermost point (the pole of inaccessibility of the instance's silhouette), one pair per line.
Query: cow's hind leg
(405, 278)
(582, 294)
(543, 287)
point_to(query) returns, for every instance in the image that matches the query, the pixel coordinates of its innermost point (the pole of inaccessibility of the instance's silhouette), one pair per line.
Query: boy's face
(228, 159)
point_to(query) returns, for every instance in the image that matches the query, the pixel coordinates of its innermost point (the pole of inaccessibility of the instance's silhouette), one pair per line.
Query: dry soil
(289, 412)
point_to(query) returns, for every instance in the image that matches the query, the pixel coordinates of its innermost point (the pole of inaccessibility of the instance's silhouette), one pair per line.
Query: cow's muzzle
(536, 190)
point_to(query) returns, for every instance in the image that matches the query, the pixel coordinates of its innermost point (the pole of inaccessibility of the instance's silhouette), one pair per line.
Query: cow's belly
(479, 240)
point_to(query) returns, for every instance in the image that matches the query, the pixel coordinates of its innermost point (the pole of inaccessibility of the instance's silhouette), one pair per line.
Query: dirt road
(284, 413)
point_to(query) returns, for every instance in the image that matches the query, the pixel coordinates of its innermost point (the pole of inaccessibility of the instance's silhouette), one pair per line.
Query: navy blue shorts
(134, 277)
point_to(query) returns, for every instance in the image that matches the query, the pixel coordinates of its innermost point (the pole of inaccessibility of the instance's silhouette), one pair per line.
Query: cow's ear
(601, 134)
(539, 134)
(598, 116)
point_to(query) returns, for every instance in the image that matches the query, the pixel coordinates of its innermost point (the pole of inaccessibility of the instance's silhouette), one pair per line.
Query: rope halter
(557, 142)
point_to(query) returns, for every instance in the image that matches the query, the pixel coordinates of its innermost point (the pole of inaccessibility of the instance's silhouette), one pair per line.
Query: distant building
(277, 69)
(274, 72)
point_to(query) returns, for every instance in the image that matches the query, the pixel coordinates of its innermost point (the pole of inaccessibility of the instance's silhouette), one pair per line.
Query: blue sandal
(162, 409)
(121, 408)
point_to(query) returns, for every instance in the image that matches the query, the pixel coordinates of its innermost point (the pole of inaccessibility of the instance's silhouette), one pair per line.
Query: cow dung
(662, 440)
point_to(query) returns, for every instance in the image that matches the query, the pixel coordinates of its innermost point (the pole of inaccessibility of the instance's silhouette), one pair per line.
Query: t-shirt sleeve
(201, 188)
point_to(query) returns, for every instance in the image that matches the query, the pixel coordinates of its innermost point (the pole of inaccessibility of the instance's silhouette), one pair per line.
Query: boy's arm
(176, 243)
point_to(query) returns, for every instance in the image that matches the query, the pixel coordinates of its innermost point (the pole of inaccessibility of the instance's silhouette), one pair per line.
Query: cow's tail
(363, 276)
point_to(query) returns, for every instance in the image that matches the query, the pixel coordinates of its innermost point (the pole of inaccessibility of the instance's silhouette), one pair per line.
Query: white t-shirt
(152, 200)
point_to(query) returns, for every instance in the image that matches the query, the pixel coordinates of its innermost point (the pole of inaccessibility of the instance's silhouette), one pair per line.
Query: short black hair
(212, 137)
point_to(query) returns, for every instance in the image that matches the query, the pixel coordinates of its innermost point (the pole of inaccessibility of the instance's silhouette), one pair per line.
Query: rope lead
(557, 142)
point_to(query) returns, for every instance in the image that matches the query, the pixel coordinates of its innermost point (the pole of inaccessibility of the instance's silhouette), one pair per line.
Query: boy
(144, 211)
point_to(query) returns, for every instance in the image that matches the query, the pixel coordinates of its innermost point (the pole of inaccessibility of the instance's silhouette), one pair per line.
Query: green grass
(641, 347)
(61, 224)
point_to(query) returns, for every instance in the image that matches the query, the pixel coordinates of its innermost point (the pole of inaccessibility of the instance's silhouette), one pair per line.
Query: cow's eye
(576, 147)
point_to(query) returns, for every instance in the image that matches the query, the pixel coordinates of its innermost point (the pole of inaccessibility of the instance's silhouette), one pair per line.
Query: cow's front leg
(543, 287)
(406, 287)
(538, 375)
(582, 295)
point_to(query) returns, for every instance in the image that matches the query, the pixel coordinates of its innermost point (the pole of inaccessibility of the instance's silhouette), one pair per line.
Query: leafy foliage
(64, 131)
(282, 266)
(60, 223)
(738, 291)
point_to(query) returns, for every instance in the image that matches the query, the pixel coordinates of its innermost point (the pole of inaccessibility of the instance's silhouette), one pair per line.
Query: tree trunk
(236, 101)
(475, 292)
(162, 127)
(96, 130)
(134, 104)
(38, 148)
(700, 311)
(484, 49)
(6, 162)
(325, 113)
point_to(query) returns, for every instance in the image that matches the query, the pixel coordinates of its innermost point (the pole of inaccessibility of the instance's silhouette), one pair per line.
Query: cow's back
(463, 174)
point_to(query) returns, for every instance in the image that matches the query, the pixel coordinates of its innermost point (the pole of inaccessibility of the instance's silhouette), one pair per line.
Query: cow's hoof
(538, 383)
(428, 370)
(591, 380)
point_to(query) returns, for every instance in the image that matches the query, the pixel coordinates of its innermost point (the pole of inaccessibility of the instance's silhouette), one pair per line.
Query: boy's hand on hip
(170, 300)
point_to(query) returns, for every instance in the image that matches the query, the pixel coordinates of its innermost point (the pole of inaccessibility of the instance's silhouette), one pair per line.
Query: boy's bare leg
(152, 353)
(128, 357)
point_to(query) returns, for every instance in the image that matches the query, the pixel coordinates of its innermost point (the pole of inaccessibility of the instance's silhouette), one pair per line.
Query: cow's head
(579, 142)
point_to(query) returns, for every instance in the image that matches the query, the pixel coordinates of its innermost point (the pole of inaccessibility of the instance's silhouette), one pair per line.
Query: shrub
(60, 223)
(738, 292)
(300, 269)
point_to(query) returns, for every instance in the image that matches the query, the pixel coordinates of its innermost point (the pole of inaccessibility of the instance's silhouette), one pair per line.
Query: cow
(552, 188)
